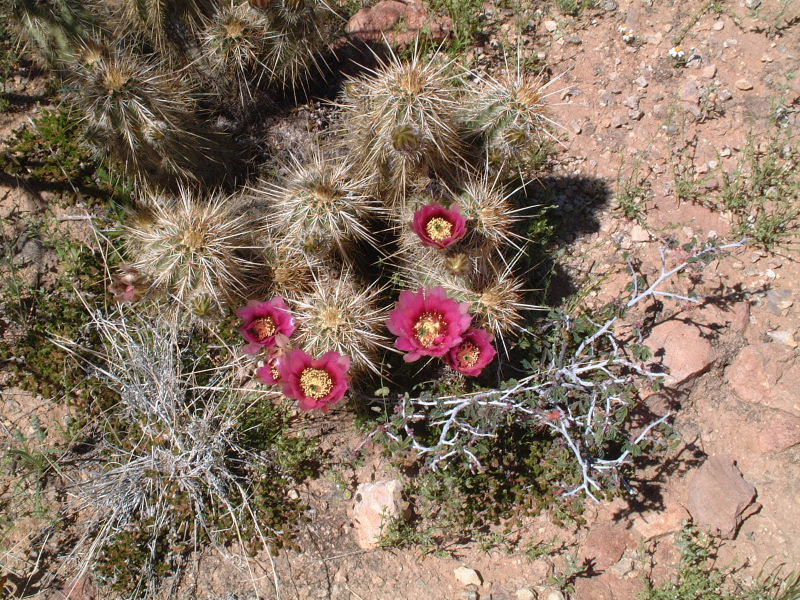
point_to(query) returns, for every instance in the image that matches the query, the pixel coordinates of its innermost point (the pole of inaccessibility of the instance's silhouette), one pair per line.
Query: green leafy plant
(699, 578)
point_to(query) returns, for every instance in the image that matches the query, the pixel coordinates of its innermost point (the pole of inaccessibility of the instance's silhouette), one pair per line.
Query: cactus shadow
(562, 209)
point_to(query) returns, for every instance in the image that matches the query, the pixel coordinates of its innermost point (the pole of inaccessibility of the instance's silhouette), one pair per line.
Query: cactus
(341, 315)
(400, 123)
(317, 204)
(233, 47)
(291, 268)
(143, 120)
(302, 30)
(510, 113)
(55, 27)
(169, 27)
(189, 249)
(496, 295)
(490, 213)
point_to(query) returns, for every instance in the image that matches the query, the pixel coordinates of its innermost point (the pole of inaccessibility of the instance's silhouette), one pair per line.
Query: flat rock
(744, 84)
(605, 545)
(690, 93)
(550, 26)
(719, 497)
(780, 432)
(376, 504)
(607, 586)
(399, 23)
(682, 350)
(639, 234)
(767, 374)
(652, 524)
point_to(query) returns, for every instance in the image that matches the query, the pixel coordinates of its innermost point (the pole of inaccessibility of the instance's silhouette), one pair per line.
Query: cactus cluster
(404, 194)
(409, 189)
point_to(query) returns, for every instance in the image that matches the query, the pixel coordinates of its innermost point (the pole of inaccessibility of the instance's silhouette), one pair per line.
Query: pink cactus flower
(427, 323)
(315, 383)
(263, 323)
(473, 353)
(439, 226)
(270, 372)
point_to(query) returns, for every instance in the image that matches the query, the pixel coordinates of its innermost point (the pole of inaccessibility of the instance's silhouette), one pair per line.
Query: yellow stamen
(264, 327)
(439, 229)
(428, 327)
(273, 369)
(315, 383)
(468, 355)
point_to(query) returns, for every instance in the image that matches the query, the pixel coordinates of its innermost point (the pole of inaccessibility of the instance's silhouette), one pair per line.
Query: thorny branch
(574, 395)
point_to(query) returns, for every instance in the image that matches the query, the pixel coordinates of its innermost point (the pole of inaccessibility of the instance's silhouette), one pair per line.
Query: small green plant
(699, 578)
(763, 193)
(574, 8)
(49, 155)
(564, 579)
(632, 195)
(29, 462)
(466, 16)
(35, 317)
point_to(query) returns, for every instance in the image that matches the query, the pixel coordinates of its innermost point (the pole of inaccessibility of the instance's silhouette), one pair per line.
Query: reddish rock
(682, 350)
(719, 497)
(605, 545)
(607, 586)
(779, 431)
(652, 524)
(767, 374)
(398, 23)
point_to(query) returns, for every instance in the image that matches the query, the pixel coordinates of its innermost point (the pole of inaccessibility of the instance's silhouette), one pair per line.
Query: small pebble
(641, 82)
(525, 594)
(636, 115)
(718, 25)
(744, 84)
(708, 72)
(467, 576)
(784, 337)
(725, 95)
(550, 25)
(725, 152)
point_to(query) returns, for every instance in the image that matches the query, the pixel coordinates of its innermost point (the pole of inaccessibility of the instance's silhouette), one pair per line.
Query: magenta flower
(473, 353)
(439, 226)
(270, 372)
(427, 323)
(263, 322)
(314, 382)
